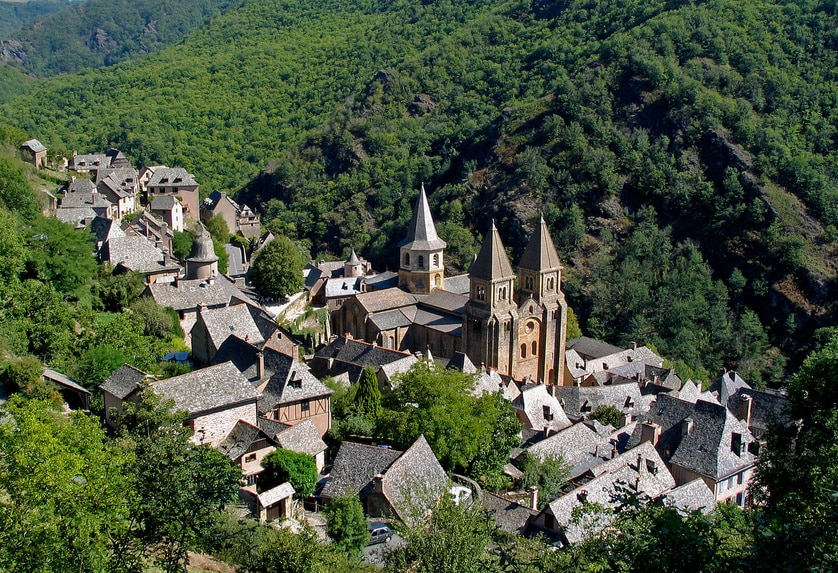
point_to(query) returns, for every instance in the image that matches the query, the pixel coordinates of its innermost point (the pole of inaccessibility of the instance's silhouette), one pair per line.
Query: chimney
(625, 419)
(745, 408)
(260, 365)
(650, 432)
(633, 345)
(534, 498)
(641, 469)
(687, 427)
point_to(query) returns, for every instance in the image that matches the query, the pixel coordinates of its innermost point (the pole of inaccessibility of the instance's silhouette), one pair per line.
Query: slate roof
(171, 177)
(163, 203)
(271, 427)
(355, 466)
(439, 321)
(631, 470)
(381, 281)
(104, 229)
(135, 253)
(458, 284)
(64, 380)
(35, 145)
(80, 185)
(691, 496)
(390, 319)
(207, 389)
(94, 200)
(414, 482)
(766, 407)
(488, 381)
(579, 401)
(510, 516)
(443, 300)
(540, 253)
(240, 438)
(90, 160)
(109, 183)
(386, 299)
(188, 294)
(707, 448)
(302, 438)
(579, 446)
(275, 494)
(358, 353)
(246, 322)
(282, 388)
(398, 366)
(421, 234)
(463, 363)
(75, 216)
(124, 381)
(727, 386)
(589, 348)
(491, 262)
(342, 287)
(531, 403)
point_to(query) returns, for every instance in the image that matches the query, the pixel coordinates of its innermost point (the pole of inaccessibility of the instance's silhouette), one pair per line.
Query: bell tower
(542, 308)
(490, 322)
(421, 268)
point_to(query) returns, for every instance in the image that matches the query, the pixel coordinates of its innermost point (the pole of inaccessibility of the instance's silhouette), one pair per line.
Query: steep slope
(683, 154)
(102, 32)
(14, 15)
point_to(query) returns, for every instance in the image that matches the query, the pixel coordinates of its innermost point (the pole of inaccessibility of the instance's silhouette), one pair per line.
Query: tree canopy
(277, 269)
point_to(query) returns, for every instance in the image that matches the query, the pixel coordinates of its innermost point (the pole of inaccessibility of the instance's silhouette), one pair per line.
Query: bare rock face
(12, 51)
(718, 153)
(101, 41)
(423, 104)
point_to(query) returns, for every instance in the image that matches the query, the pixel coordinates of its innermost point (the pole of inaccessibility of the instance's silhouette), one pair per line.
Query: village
(620, 419)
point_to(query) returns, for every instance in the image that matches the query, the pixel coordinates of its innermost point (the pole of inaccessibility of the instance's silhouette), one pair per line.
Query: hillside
(98, 32)
(683, 154)
(13, 15)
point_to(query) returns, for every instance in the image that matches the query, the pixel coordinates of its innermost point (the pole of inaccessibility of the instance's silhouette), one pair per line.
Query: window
(437, 281)
(250, 458)
(501, 293)
(476, 326)
(523, 350)
(421, 262)
(305, 406)
(550, 283)
(436, 261)
(407, 259)
(391, 342)
(534, 348)
(528, 283)
(481, 293)
(547, 413)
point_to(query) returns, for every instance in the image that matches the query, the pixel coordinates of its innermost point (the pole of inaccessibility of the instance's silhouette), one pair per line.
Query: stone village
(251, 391)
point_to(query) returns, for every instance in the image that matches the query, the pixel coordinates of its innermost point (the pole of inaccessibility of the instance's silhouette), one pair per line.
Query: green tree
(61, 255)
(798, 468)
(18, 374)
(182, 244)
(346, 524)
(157, 322)
(15, 192)
(12, 250)
(606, 415)
(286, 466)
(217, 227)
(65, 492)
(180, 487)
(117, 290)
(548, 476)
(277, 270)
(368, 395)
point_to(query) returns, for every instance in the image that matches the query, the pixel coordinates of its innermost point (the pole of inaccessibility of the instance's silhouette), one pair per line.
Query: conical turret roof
(421, 235)
(202, 249)
(353, 259)
(540, 254)
(491, 262)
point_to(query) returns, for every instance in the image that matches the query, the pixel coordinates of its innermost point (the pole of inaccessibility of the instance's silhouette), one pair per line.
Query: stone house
(239, 218)
(344, 354)
(120, 186)
(214, 325)
(89, 162)
(123, 385)
(270, 505)
(33, 151)
(215, 398)
(138, 254)
(168, 208)
(154, 229)
(173, 181)
(75, 396)
(292, 394)
(246, 446)
(701, 440)
(304, 438)
(539, 411)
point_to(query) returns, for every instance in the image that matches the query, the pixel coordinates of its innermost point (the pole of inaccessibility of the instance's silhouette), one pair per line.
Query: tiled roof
(421, 234)
(390, 319)
(540, 253)
(577, 445)
(445, 301)
(302, 438)
(271, 427)
(355, 466)
(124, 381)
(109, 183)
(414, 482)
(242, 320)
(439, 321)
(207, 389)
(463, 363)
(349, 351)
(104, 229)
(135, 253)
(81, 185)
(75, 215)
(240, 438)
(399, 366)
(81, 199)
(579, 401)
(381, 281)
(458, 284)
(491, 262)
(64, 380)
(342, 287)
(489, 382)
(35, 145)
(163, 203)
(766, 407)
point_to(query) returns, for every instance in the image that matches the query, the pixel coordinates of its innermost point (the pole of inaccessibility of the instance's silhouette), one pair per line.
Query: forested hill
(97, 33)
(682, 153)
(13, 15)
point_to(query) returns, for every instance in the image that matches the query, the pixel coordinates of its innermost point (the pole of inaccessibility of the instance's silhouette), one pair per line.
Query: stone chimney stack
(687, 427)
(650, 432)
(745, 409)
(534, 498)
(260, 365)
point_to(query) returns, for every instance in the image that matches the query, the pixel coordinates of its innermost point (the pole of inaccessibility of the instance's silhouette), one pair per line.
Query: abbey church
(514, 322)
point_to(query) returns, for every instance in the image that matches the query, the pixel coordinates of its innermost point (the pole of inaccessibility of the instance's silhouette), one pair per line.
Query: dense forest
(682, 153)
(52, 38)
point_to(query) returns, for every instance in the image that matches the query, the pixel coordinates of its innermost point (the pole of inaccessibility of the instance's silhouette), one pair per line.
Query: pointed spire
(421, 235)
(491, 262)
(353, 259)
(540, 254)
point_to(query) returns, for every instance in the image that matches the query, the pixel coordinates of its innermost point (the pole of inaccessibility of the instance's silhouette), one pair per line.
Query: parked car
(379, 533)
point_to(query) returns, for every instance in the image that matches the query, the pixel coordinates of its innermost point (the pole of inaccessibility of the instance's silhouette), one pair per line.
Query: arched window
(436, 261)
(391, 342)
(407, 259)
(502, 293)
(524, 350)
(481, 293)
(534, 348)
(550, 283)
(437, 281)
(421, 262)
(528, 283)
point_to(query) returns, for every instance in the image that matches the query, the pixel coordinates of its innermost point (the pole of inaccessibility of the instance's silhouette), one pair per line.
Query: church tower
(542, 309)
(490, 323)
(203, 262)
(421, 268)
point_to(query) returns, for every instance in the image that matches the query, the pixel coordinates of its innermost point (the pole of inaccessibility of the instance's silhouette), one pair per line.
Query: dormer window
(296, 383)
(548, 413)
